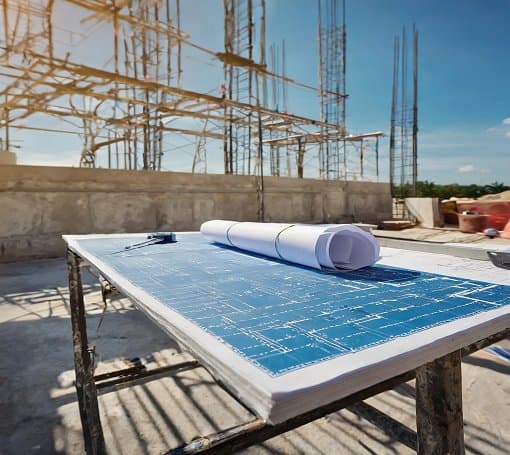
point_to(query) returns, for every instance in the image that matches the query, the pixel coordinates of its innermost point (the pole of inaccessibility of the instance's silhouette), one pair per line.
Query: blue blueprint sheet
(281, 316)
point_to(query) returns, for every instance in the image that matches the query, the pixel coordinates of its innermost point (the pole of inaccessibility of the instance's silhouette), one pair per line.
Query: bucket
(471, 224)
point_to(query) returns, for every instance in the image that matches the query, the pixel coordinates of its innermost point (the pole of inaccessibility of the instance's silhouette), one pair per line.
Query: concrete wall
(39, 204)
(425, 210)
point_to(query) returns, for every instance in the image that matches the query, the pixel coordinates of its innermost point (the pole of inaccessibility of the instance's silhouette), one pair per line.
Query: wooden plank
(439, 421)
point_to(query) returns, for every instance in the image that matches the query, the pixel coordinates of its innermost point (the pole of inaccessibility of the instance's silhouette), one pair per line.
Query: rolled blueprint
(323, 246)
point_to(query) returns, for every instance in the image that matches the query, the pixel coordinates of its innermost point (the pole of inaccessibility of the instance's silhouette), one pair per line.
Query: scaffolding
(279, 156)
(133, 110)
(332, 84)
(404, 119)
(116, 109)
(240, 80)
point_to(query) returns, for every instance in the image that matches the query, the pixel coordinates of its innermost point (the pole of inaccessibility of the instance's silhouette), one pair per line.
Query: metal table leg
(83, 362)
(439, 421)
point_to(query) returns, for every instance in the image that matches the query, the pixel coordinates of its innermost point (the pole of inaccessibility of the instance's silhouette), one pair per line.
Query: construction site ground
(446, 235)
(39, 411)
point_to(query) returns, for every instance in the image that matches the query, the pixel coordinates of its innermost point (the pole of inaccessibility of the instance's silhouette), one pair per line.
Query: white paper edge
(275, 398)
(216, 355)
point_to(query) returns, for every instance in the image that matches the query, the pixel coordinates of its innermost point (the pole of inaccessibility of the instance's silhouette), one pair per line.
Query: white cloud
(503, 129)
(466, 168)
(442, 159)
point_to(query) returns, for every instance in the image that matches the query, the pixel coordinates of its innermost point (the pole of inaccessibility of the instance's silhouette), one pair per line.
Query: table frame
(439, 418)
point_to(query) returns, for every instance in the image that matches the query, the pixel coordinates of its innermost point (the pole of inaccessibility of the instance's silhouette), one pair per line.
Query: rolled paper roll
(324, 246)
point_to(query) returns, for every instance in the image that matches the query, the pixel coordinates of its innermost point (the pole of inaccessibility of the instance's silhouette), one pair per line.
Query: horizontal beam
(318, 137)
(101, 8)
(134, 373)
(112, 77)
(191, 114)
(192, 132)
(233, 441)
(245, 435)
(359, 137)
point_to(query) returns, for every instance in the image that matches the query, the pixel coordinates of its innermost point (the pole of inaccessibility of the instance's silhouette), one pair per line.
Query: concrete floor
(444, 235)
(39, 413)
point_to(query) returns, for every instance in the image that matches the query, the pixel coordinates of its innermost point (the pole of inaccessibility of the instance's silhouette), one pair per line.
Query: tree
(473, 191)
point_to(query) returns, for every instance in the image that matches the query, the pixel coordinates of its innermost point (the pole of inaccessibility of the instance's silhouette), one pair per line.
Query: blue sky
(464, 93)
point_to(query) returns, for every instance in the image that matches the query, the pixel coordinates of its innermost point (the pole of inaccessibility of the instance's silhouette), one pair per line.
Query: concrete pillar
(425, 210)
(7, 157)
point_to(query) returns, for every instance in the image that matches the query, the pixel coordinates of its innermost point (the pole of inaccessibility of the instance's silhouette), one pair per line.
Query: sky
(464, 93)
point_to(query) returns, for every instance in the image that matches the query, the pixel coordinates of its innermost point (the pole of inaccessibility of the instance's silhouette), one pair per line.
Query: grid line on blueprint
(281, 316)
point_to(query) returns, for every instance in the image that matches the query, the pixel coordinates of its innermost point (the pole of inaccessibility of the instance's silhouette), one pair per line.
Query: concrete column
(8, 158)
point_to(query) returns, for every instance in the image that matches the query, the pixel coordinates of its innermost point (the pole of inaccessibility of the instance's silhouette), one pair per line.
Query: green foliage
(431, 189)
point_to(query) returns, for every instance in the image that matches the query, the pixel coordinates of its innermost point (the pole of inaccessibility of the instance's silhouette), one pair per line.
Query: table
(294, 344)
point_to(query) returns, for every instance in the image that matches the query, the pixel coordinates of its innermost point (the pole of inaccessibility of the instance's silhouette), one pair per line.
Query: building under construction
(235, 305)
(132, 107)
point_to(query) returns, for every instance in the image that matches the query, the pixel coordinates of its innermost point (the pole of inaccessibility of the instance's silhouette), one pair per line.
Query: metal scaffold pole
(404, 120)
(134, 110)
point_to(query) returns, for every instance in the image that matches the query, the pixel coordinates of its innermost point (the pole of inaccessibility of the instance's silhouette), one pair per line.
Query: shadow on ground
(39, 412)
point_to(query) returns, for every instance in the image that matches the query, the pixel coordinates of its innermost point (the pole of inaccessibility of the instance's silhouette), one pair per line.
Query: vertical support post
(260, 179)
(394, 102)
(49, 25)
(404, 150)
(377, 157)
(83, 363)
(228, 72)
(439, 420)
(415, 111)
(6, 26)
(343, 81)
(361, 158)
(6, 117)
(300, 158)
(322, 165)
(179, 44)
(263, 50)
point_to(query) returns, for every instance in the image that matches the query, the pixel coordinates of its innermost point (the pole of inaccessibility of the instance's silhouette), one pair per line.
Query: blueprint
(281, 316)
